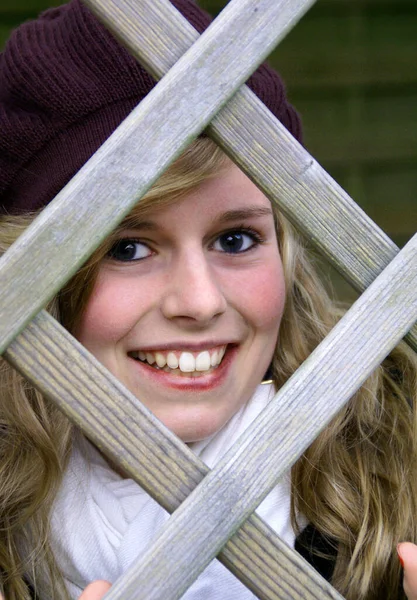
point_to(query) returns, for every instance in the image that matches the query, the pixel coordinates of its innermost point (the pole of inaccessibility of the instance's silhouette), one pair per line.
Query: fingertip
(96, 590)
(407, 553)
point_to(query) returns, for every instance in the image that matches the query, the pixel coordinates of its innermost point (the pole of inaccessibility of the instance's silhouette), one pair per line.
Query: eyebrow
(239, 214)
(135, 223)
(244, 213)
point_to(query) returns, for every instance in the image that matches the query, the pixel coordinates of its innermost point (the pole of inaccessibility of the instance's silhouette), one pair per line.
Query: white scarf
(101, 522)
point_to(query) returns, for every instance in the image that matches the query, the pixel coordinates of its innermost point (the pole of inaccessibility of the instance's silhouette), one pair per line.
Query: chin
(196, 428)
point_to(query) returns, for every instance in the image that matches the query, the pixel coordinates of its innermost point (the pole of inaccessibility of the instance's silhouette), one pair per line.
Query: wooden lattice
(187, 101)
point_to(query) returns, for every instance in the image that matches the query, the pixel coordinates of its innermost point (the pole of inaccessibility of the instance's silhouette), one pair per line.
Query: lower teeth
(178, 371)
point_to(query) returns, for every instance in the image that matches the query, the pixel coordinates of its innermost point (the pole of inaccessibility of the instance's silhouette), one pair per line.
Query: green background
(351, 70)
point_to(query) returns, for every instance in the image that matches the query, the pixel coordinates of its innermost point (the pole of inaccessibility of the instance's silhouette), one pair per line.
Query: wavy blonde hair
(356, 483)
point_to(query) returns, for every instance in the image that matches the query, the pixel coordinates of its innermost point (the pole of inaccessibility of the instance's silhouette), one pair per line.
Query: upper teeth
(187, 362)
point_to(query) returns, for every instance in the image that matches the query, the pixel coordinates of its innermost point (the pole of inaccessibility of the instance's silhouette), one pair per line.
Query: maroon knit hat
(65, 85)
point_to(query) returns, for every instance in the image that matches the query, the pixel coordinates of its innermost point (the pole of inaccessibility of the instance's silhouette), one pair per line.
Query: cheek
(271, 297)
(109, 315)
(265, 298)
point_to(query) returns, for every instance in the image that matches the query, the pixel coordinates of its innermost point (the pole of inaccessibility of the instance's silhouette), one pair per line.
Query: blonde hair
(356, 483)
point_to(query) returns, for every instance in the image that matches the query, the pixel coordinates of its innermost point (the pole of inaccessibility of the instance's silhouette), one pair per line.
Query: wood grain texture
(197, 531)
(24, 7)
(126, 165)
(263, 148)
(216, 6)
(66, 373)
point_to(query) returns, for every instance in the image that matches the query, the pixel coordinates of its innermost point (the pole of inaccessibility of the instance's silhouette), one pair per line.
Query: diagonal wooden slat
(196, 532)
(65, 372)
(262, 147)
(127, 164)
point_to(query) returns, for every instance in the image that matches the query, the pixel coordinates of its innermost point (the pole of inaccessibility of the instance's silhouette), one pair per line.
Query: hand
(95, 591)
(407, 553)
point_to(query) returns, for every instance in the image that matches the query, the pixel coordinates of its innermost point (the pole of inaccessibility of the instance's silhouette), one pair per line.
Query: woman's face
(187, 305)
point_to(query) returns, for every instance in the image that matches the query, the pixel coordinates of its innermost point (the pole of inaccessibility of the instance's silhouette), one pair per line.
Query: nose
(194, 292)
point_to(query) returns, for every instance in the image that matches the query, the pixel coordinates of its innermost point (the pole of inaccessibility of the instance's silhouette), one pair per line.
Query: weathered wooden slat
(124, 168)
(344, 6)
(24, 7)
(64, 371)
(196, 532)
(264, 149)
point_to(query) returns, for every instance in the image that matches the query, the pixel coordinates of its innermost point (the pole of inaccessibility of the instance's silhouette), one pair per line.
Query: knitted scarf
(101, 522)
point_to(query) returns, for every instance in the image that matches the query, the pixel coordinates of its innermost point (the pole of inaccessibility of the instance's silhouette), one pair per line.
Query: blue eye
(129, 250)
(234, 242)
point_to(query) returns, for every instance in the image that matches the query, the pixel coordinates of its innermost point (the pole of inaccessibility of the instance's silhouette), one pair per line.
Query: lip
(184, 346)
(203, 382)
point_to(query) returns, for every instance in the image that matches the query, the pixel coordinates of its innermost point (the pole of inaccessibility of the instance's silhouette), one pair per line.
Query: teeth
(186, 362)
(202, 362)
(160, 360)
(214, 359)
(172, 361)
(150, 358)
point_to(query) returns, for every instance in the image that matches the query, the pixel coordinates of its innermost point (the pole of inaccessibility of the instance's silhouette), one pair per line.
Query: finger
(95, 591)
(407, 554)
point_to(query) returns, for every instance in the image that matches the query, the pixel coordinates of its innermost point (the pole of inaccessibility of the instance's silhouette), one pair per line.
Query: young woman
(160, 304)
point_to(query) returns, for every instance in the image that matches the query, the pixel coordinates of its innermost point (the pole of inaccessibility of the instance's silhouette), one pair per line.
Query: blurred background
(351, 70)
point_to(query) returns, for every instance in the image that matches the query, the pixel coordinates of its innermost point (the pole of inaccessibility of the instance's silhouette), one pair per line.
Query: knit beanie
(65, 85)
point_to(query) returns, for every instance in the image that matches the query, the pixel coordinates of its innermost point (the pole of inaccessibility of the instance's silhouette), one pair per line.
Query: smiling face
(187, 305)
